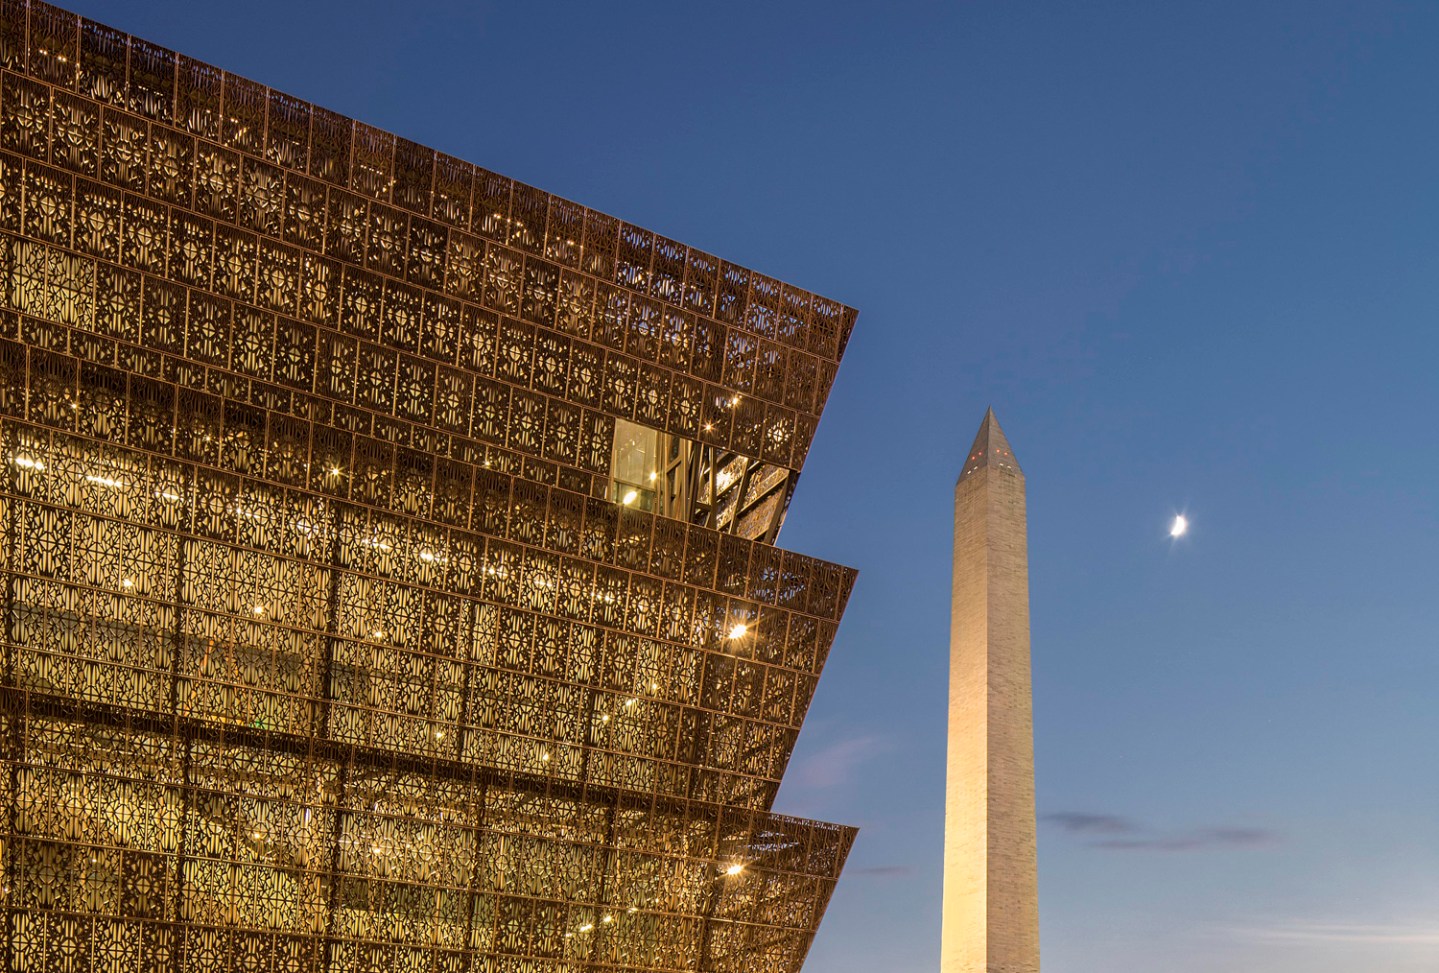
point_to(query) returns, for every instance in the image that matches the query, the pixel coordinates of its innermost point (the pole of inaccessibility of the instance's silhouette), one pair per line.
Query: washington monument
(991, 899)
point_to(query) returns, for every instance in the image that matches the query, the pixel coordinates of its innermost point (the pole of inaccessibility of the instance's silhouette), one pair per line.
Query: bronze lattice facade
(389, 565)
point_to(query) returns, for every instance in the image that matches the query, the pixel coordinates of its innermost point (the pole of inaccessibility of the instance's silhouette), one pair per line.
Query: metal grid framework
(325, 645)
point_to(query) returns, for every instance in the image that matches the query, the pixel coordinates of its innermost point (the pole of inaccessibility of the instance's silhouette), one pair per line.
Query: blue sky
(1189, 254)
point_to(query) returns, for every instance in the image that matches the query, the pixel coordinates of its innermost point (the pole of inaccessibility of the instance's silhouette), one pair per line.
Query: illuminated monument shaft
(991, 913)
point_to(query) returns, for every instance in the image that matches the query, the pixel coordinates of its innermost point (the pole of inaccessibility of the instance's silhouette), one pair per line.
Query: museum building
(390, 579)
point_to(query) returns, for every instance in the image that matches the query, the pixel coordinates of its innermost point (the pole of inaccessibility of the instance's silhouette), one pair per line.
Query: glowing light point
(739, 631)
(1180, 527)
(630, 497)
(734, 869)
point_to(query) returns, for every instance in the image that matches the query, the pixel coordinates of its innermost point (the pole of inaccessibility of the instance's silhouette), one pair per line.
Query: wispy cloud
(882, 871)
(1115, 833)
(1077, 822)
(836, 764)
(1359, 934)
(1205, 839)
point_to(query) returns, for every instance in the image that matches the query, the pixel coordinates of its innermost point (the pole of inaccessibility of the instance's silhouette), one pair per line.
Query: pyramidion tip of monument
(991, 449)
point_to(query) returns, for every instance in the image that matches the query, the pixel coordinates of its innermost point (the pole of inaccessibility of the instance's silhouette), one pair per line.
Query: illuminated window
(676, 477)
(635, 466)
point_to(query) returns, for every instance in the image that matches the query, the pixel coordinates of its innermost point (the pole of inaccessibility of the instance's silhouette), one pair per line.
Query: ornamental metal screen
(330, 640)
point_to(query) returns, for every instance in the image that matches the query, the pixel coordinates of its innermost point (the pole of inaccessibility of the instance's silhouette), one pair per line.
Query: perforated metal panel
(324, 645)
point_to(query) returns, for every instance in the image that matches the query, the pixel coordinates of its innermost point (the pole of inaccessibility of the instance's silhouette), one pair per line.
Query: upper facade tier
(189, 326)
(314, 204)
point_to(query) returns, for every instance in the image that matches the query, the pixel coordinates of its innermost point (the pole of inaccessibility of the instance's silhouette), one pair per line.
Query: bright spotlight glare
(1180, 527)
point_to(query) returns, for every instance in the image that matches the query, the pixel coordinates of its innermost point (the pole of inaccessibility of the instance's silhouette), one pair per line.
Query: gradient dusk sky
(1190, 254)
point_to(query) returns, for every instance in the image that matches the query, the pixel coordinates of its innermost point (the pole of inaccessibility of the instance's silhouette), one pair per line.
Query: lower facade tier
(130, 845)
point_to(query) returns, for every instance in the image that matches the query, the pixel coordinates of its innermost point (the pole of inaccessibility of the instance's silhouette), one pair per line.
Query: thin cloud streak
(1125, 835)
(1078, 822)
(1204, 840)
(1359, 934)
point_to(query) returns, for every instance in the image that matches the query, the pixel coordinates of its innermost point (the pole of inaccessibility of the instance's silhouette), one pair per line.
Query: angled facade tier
(390, 565)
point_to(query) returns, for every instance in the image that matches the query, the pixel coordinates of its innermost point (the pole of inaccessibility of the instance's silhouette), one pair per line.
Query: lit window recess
(700, 483)
(633, 464)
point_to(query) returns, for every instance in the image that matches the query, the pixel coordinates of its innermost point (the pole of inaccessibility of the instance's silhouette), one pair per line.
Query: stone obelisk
(991, 896)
